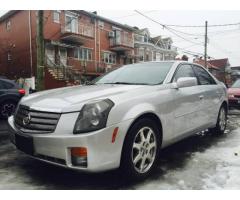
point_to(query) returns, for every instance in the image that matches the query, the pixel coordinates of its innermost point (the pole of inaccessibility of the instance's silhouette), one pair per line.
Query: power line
(202, 26)
(167, 28)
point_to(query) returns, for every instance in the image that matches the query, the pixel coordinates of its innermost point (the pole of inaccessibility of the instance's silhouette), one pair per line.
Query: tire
(140, 150)
(221, 122)
(7, 108)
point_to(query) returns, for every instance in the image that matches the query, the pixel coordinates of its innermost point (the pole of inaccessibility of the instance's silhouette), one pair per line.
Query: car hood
(71, 99)
(235, 91)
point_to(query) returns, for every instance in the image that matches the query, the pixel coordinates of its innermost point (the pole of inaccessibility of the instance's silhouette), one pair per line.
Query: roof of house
(209, 65)
(12, 12)
(220, 63)
(105, 19)
(8, 14)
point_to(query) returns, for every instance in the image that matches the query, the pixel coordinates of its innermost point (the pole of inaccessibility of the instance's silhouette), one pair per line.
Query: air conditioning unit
(111, 34)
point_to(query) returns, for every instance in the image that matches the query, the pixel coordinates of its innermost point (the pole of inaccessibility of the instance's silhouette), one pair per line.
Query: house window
(56, 16)
(83, 53)
(71, 24)
(101, 24)
(8, 25)
(109, 58)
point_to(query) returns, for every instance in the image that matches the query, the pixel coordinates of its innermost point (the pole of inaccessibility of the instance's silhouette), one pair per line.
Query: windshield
(236, 84)
(137, 74)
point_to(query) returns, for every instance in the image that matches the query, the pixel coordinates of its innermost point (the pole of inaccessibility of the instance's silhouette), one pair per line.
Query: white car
(123, 119)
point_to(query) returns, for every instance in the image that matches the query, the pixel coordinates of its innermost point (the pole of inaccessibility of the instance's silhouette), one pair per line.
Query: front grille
(33, 121)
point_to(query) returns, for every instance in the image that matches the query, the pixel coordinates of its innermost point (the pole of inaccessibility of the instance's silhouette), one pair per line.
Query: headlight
(93, 116)
(231, 95)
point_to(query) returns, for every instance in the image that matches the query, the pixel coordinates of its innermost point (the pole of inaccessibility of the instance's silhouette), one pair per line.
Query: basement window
(56, 16)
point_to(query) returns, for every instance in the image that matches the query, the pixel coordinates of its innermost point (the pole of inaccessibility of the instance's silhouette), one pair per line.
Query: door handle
(201, 97)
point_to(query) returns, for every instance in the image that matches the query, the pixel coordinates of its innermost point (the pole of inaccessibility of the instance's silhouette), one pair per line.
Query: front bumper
(55, 148)
(234, 103)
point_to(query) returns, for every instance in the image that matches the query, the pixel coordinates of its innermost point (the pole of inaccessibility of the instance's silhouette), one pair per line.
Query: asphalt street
(203, 161)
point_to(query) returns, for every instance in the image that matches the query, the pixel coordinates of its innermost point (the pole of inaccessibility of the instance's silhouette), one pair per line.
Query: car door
(211, 94)
(188, 103)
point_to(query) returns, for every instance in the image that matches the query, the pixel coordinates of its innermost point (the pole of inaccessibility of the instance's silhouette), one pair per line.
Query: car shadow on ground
(172, 158)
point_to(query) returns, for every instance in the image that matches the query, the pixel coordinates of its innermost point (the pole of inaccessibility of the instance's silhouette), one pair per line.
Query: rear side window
(203, 77)
(6, 85)
(184, 71)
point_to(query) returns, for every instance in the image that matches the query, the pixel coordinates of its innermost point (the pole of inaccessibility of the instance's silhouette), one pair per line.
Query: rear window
(6, 85)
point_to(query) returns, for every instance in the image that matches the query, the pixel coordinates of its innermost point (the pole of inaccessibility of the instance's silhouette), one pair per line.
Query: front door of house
(63, 56)
(50, 54)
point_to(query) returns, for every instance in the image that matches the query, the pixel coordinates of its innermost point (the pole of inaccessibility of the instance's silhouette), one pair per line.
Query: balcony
(121, 43)
(77, 34)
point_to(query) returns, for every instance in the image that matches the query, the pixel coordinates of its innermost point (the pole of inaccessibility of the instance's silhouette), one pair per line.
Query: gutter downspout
(99, 44)
(95, 53)
(30, 41)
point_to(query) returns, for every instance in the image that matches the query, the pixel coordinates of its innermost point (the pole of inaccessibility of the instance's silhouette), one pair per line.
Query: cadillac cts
(123, 119)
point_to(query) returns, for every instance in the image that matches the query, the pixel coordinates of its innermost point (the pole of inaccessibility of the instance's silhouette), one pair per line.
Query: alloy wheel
(144, 150)
(222, 119)
(8, 109)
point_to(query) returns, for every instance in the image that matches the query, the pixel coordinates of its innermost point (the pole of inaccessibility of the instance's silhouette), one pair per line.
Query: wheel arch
(225, 105)
(148, 115)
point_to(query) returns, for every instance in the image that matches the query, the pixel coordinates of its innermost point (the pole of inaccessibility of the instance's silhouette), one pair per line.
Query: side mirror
(186, 82)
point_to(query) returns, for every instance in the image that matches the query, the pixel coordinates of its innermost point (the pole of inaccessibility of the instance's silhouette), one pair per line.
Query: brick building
(79, 45)
(220, 68)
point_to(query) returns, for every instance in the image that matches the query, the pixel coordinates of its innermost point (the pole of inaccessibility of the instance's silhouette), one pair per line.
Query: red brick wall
(16, 42)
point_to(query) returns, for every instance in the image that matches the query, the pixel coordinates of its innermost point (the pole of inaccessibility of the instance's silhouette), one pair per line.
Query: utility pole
(205, 45)
(40, 51)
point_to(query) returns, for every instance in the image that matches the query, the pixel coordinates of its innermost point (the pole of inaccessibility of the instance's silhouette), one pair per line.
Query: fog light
(79, 156)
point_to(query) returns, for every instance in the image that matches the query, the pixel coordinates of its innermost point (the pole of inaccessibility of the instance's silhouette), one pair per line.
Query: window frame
(59, 14)
(213, 80)
(106, 55)
(84, 54)
(176, 70)
(8, 25)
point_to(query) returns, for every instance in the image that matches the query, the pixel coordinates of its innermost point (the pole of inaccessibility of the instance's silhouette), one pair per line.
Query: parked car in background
(123, 119)
(234, 95)
(10, 95)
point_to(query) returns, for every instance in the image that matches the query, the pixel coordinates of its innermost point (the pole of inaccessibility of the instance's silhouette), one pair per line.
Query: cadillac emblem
(26, 120)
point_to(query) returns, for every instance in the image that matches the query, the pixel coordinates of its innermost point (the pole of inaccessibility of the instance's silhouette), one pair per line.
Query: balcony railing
(122, 40)
(89, 67)
(81, 29)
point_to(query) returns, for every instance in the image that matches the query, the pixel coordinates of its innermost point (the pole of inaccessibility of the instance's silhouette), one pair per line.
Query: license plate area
(238, 101)
(24, 144)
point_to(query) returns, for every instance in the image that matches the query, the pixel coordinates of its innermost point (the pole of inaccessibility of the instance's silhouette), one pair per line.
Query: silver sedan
(123, 119)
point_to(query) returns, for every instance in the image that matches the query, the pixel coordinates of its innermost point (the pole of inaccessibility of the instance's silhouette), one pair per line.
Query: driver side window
(184, 71)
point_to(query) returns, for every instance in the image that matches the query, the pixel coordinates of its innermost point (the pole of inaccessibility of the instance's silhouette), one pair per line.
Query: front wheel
(7, 108)
(141, 149)
(221, 122)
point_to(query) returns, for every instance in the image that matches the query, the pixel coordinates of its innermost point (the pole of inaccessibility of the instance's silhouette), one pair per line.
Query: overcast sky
(224, 42)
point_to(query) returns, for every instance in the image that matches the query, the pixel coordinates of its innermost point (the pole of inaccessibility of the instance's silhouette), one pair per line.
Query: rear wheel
(141, 149)
(7, 108)
(221, 122)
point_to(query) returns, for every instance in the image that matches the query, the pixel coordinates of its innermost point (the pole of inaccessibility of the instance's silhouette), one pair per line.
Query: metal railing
(81, 29)
(122, 40)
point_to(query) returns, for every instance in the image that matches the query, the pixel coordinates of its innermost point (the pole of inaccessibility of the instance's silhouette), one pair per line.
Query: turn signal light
(79, 156)
(79, 151)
